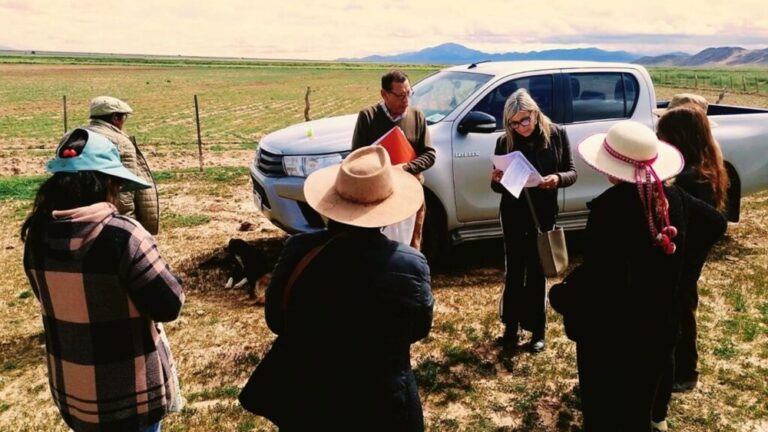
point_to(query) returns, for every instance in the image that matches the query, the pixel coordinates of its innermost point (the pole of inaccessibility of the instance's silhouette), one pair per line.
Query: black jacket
(627, 291)
(554, 159)
(345, 335)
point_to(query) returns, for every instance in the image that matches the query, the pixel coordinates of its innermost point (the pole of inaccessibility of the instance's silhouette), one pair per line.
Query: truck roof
(511, 67)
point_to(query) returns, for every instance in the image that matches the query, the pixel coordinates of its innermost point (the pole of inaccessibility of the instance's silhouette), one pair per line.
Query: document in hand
(397, 145)
(518, 172)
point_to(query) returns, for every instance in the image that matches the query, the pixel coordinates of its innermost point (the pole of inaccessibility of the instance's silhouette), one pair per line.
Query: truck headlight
(303, 166)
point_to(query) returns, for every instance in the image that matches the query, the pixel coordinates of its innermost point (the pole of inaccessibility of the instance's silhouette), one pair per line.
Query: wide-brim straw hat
(365, 190)
(630, 141)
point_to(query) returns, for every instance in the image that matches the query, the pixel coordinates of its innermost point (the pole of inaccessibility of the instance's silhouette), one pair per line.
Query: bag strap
(301, 266)
(303, 263)
(533, 212)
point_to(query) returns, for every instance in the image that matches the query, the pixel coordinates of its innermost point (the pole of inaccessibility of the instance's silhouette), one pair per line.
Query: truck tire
(733, 202)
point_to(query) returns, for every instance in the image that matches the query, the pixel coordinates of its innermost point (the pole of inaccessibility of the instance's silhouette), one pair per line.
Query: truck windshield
(439, 94)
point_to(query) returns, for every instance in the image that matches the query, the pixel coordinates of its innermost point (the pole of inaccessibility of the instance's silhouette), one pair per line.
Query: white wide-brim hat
(365, 190)
(630, 141)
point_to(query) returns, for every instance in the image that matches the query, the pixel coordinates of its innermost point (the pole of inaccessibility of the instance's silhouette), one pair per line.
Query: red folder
(397, 145)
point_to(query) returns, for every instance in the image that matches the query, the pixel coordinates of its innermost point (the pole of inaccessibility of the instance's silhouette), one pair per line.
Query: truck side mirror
(479, 122)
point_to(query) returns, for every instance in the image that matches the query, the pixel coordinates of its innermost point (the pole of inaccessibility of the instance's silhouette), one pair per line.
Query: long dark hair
(64, 191)
(687, 128)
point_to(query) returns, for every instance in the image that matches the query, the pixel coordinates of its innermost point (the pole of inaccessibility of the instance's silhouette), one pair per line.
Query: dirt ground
(221, 335)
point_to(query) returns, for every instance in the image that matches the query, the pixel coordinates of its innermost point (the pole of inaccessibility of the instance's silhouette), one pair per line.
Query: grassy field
(238, 105)
(465, 382)
(753, 81)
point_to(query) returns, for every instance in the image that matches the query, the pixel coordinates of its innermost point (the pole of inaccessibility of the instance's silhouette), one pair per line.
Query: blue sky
(341, 28)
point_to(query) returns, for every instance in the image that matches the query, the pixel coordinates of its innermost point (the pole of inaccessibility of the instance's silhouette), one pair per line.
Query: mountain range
(453, 53)
(722, 56)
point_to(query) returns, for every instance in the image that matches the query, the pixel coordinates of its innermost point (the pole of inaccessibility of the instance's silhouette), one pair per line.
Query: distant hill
(452, 53)
(722, 56)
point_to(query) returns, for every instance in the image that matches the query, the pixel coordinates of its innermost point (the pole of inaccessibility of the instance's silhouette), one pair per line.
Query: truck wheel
(435, 245)
(734, 194)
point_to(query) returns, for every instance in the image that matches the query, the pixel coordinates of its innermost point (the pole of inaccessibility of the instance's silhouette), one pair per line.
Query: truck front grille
(258, 189)
(270, 164)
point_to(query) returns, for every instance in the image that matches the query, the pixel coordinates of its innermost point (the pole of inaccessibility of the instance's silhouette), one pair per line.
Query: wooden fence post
(306, 104)
(744, 83)
(695, 80)
(199, 139)
(65, 113)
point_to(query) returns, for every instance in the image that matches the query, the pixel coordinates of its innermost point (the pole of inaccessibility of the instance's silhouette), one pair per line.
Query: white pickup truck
(463, 106)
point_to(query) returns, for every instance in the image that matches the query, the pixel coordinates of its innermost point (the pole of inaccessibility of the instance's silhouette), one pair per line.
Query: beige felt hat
(682, 99)
(104, 105)
(365, 190)
(627, 143)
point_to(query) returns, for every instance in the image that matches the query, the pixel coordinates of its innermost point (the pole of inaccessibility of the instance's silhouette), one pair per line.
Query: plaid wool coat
(102, 287)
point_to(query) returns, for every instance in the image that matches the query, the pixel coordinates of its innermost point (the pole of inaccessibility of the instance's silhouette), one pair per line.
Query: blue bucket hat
(83, 150)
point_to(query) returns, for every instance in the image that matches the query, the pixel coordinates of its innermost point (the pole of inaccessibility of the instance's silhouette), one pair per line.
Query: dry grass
(465, 383)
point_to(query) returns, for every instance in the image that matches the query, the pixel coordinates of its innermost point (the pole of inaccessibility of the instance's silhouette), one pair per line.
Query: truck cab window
(540, 88)
(601, 96)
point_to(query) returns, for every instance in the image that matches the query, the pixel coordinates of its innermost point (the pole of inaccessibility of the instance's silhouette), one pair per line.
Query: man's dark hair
(395, 75)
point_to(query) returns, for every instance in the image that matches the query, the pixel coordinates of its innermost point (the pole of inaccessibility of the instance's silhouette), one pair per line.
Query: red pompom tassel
(670, 248)
(670, 230)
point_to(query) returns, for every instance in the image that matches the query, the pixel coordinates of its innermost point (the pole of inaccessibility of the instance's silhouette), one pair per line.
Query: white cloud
(346, 28)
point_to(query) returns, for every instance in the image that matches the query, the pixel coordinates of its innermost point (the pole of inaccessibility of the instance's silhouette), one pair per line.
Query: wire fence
(747, 82)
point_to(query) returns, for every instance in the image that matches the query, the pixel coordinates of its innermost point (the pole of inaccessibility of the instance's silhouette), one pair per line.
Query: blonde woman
(546, 146)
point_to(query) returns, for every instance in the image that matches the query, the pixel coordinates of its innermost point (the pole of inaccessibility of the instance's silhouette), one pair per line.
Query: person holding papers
(545, 145)
(394, 110)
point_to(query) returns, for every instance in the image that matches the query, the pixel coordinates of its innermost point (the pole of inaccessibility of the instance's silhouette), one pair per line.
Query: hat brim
(406, 198)
(131, 181)
(669, 161)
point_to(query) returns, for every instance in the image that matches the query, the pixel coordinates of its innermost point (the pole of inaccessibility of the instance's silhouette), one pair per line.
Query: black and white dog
(246, 266)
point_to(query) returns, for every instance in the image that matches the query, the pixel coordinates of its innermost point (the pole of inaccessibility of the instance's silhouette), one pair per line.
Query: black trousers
(664, 392)
(686, 352)
(523, 300)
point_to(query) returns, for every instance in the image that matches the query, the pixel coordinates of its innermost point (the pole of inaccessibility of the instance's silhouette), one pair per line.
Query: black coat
(621, 305)
(554, 159)
(344, 339)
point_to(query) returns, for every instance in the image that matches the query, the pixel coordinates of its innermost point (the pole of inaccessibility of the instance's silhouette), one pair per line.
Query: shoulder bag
(553, 253)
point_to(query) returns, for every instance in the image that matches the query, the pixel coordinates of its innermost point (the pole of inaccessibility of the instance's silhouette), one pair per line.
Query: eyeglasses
(525, 121)
(401, 96)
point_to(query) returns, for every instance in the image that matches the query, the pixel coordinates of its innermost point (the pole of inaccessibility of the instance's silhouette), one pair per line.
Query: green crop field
(465, 382)
(750, 81)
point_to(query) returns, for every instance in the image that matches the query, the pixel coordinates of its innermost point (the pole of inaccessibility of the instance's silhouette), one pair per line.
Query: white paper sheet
(518, 172)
